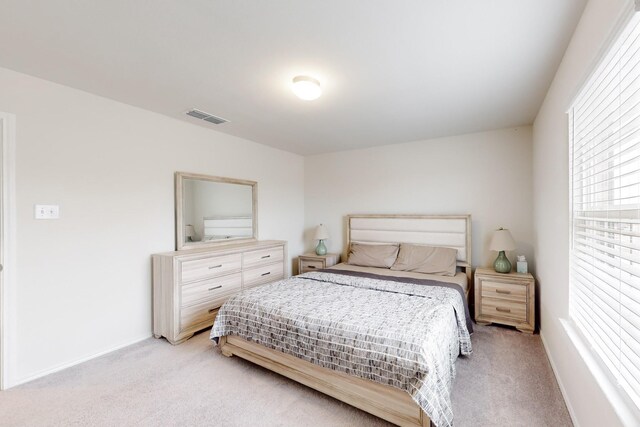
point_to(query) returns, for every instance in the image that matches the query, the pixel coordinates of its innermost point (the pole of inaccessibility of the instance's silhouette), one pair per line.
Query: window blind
(604, 133)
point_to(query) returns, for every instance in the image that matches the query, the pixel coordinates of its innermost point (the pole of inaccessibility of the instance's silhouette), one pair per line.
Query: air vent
(206, 117)
(215, 120)
(197, 114)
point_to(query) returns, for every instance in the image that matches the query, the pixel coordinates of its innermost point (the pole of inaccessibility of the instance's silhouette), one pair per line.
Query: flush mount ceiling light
(306, 88)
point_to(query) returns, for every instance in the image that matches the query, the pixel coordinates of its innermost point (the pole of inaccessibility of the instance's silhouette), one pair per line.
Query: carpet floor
(506, 382)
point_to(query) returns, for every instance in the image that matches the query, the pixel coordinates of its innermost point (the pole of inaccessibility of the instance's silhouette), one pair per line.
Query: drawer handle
(266, 274)
(215, 287)
(211, 310)
(215, 266)
(504, 310)
(502, 291)
(311, 266)
(266, 256)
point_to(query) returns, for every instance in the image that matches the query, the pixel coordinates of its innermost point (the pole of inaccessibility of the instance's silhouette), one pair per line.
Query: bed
(385, 342)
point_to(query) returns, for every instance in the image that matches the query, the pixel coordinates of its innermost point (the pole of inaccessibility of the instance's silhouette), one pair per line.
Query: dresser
(311, 262)
(507, 299)
(189, 286)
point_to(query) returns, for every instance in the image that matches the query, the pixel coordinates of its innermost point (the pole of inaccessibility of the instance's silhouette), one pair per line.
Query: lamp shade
(321, 233)
(189, 231)
(306, 88)
(502, 241)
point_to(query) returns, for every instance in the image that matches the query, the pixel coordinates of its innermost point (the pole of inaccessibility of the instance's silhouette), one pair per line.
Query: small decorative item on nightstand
(508, 299)
(322, 234)
(311, 262)
(521, 264)
(502, 241)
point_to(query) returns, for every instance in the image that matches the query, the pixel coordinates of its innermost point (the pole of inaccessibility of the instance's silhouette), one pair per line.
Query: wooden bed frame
(386, 402)
(389, 403)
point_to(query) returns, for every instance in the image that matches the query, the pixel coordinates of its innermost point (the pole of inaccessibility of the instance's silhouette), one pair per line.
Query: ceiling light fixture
(306, 88)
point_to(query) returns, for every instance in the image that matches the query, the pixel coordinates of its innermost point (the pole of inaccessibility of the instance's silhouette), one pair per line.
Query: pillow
(426, 259)
(372, 255)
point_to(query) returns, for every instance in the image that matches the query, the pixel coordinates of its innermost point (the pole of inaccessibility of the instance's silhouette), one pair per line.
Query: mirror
(211, 210)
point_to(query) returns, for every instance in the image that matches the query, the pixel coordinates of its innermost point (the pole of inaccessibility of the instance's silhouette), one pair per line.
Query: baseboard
(572, 413)
(74, 363)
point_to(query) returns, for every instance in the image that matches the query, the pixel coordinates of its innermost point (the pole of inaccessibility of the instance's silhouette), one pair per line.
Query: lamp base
(502, 264)
(321, 249)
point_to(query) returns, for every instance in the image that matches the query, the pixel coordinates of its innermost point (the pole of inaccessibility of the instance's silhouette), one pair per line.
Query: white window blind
(604, 132)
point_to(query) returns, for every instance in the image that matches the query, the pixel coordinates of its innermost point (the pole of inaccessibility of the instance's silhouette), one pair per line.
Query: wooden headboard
(227, 227)
(453, 231)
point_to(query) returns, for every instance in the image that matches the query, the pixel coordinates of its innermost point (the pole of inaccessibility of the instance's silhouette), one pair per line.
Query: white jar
(521, 265)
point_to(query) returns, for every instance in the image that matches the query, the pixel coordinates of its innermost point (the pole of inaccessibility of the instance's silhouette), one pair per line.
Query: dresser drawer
(200, 315)
(501, 290)
(261, 275)
(504, 309)
(204, 268)
(211, 290)
(307, 265)
(262, 257)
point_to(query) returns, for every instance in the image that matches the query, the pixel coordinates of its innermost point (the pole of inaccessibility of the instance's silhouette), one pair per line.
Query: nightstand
(505, 298)
(311, 261)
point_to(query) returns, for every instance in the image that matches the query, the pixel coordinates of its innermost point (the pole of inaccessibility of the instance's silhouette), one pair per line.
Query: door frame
(7, 241)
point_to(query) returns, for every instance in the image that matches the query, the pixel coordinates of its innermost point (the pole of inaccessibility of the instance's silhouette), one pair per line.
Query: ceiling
(391, 71)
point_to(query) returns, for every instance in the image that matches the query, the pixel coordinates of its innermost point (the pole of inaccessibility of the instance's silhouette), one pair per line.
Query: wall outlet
(47, 211)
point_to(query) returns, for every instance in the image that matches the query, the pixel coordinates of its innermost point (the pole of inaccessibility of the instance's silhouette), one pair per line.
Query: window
(604, 133)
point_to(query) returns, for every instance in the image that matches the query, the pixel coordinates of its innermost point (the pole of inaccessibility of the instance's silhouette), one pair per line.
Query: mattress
(459, 279)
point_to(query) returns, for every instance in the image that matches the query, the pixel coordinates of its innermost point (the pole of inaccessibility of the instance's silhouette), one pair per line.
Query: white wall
(586, 401)
(487, 175)
(84, 281)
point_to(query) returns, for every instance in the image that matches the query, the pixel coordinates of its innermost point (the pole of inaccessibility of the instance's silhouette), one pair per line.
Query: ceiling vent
(206, 117)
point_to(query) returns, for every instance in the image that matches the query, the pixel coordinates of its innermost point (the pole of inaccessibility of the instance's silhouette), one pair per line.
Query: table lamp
(189, 232)
(502, 241)
(321, 234)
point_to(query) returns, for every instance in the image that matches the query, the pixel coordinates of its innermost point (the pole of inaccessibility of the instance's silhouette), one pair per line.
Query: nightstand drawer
(504, 309)
(218, 289)
(262, 257)
(307, 265)
(313, 262)
(501, 290)
(203, 268)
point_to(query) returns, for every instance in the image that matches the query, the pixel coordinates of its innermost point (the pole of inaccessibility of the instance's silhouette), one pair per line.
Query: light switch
(47, 211)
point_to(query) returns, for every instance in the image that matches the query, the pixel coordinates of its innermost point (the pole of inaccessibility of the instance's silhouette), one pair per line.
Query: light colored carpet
(506, 382)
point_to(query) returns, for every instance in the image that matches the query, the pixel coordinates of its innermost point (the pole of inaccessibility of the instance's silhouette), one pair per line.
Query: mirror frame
(179, 202)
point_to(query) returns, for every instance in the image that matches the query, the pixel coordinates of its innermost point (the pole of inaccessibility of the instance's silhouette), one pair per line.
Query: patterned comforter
(406, 333)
